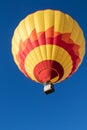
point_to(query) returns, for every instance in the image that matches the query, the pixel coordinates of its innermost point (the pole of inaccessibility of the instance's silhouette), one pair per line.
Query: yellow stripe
(63, 22)
(77, 34)
(16, 41)
(42, 20)
(39, 21)
(68, 24)
(48, 18)
(29, 23)
(54, 79)
(59, 21)
(22, 31)
(15, 46)
(66, 62)
(82, 49)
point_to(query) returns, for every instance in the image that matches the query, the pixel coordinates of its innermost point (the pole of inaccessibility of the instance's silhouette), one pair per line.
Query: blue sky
(23, 105)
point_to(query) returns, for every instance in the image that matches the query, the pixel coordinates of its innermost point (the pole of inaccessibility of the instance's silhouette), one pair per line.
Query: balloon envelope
(48, 46)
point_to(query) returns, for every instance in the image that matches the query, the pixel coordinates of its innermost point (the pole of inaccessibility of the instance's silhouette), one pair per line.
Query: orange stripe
(50, 32)
(33, 36)
(62, 40)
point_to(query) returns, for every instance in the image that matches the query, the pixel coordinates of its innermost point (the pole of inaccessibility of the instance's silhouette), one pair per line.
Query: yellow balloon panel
(29, 23)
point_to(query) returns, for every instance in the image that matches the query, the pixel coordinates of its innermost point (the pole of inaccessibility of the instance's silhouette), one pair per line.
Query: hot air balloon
(48, 46)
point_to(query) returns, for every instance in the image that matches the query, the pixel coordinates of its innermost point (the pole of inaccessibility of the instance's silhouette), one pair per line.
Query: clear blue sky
(23, 105)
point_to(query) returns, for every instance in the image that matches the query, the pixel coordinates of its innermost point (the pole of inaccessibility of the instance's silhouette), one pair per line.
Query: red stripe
(47, 70)
(62, 40)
